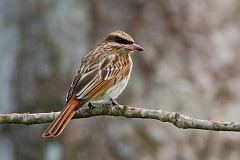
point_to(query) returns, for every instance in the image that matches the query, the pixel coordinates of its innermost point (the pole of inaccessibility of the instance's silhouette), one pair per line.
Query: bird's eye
(122, 41)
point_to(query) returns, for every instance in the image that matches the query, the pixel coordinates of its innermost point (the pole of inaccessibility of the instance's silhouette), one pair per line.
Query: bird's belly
(117, 89)
(113, 92)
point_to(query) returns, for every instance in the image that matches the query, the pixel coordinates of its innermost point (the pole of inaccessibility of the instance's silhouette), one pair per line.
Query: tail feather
(64, 124)
(62, 120)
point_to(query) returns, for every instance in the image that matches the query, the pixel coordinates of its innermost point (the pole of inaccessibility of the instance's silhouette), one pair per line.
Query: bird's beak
(135, 47)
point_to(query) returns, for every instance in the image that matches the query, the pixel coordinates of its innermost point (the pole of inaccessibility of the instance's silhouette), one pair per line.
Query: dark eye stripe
(122, 41)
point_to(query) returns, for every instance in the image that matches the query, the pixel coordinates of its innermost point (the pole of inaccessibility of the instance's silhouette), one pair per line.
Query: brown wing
(84, 74)
(74, 83)
(110, 71)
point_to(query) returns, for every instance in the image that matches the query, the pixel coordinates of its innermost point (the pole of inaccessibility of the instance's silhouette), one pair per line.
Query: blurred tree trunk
(190, 64)
(36, 78)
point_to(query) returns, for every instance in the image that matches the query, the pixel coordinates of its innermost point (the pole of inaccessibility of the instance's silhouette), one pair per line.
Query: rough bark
(179, 120)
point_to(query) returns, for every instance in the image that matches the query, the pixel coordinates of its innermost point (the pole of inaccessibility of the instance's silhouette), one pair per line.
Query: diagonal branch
(179, 120)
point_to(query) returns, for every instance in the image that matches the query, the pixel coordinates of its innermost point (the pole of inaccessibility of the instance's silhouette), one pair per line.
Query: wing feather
(92, 84)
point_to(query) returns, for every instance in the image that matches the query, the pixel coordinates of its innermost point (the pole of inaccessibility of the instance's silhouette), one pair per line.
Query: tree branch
(179, 120)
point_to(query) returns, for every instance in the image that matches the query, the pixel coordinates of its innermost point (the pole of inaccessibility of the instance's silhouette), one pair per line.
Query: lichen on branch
(179, 120)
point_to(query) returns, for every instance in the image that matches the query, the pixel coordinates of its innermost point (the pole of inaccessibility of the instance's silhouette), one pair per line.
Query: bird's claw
(117, 105)
(91, 106)
(114, 102)
(120, 108)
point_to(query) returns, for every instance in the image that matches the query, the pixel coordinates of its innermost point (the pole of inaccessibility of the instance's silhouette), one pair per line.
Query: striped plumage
(103, 74)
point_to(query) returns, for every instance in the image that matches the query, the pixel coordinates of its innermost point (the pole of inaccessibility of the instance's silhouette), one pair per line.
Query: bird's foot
(91, 106)
(117, 105)
(114, 102)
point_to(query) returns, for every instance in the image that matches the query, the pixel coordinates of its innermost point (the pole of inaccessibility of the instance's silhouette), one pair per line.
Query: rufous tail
(62, 120)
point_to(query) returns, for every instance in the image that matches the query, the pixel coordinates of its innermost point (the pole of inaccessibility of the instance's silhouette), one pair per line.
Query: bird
(103, 75)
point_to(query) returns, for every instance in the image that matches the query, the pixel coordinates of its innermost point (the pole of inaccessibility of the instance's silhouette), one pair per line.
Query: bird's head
(121, 41)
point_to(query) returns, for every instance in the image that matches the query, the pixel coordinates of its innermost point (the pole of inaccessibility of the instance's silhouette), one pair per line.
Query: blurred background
(190, 65)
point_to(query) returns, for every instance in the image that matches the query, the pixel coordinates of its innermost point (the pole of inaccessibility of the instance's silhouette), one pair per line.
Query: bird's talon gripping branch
(91, 106)
(114, 102)
(121, 108)
(118, 106)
